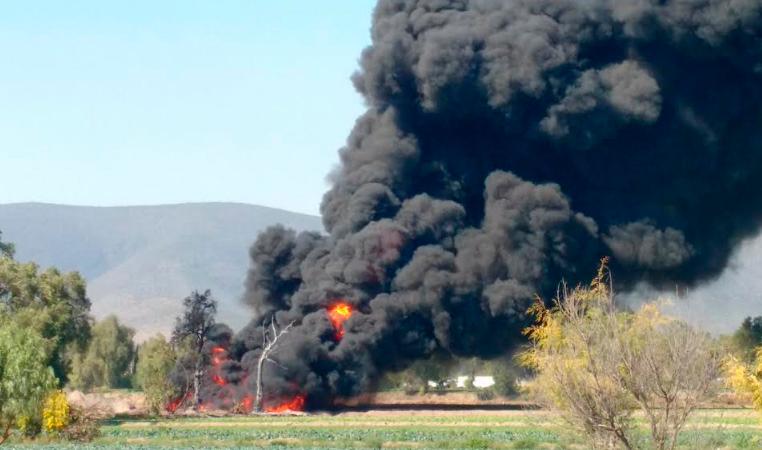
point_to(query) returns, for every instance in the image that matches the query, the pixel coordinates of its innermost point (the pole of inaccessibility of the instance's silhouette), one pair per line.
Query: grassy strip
(529, 429)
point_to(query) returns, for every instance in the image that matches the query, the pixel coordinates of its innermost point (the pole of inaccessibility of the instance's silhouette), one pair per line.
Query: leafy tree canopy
(25, 377)
(53, 304)
(197, 319)
(108, 360)
(748, 337)
(156, 359)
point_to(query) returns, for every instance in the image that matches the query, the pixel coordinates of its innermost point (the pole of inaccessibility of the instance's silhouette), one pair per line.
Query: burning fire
(295, 404)
(338, 314)
(176, 403)
(219, 356)
(218, 380)
(247, 404)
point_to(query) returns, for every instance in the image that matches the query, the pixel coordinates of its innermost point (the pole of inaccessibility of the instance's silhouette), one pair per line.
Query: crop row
(328, 434)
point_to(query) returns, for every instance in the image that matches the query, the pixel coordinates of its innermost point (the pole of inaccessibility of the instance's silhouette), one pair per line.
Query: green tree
(52, 303)
(156, 358)
(194, 326)
(6, 249)
(437, 368)
(505, 373)
(747, 338)
(25, 377)
(107, 363)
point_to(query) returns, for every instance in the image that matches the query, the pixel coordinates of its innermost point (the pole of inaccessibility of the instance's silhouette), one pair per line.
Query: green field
(709, 429)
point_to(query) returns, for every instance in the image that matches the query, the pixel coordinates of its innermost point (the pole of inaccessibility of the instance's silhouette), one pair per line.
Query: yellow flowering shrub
(55, 412)
(745, 380)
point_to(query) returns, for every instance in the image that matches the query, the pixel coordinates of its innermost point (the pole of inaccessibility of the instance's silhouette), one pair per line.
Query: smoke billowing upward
(507, 145)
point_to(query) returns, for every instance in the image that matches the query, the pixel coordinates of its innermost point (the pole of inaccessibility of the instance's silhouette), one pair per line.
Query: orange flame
(295, 404)
(176, 403)
(338, 314)
(247, 404)
(218, 380)
(218, 356)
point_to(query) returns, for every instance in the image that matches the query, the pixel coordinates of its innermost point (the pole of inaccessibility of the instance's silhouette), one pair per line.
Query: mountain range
(141, 261)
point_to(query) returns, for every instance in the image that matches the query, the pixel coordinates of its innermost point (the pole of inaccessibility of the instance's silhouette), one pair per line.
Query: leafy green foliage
(525, 430)
(747, 338)
(156, 358)
(25, 378)
(415, 378)
(52, 303)
(199, 312)
(505, 373)
(182, 374)
(108, 360)
(6, 249)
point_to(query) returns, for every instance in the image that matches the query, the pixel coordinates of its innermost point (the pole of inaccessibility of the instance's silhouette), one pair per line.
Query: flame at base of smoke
(295, 404)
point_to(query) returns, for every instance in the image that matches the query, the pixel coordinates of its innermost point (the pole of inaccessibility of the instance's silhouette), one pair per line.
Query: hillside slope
(141, 261)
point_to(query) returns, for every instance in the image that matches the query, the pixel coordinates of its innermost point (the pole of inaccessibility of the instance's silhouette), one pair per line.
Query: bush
(505, 373)
(81, 427)
(596, 365)
(485, 394)
(410, 389)
(25, 378)
(156, 358)
(745, 379)
(55, 412)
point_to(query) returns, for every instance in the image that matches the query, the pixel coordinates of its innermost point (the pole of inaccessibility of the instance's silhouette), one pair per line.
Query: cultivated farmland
(730, 428)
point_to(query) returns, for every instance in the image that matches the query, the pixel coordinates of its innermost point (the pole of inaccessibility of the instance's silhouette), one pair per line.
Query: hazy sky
(148, 102)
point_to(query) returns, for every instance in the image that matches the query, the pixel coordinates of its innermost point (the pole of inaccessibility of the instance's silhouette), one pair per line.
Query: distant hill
(140, 261)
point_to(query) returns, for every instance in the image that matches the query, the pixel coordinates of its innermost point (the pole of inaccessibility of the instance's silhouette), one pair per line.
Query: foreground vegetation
(509, 429)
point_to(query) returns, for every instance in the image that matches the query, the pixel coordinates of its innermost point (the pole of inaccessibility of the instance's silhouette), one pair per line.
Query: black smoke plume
(507, 145)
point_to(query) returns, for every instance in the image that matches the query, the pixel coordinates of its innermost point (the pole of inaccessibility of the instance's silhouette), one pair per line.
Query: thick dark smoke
(508, 145)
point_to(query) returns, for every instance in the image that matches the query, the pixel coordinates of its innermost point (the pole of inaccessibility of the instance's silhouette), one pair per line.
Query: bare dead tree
(669, 368)
(271, 336)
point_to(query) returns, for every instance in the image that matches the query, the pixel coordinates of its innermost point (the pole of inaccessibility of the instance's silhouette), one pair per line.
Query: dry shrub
(597, 365)
(82, 427)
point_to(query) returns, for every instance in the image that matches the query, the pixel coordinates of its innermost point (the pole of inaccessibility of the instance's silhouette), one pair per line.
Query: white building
(480, 381)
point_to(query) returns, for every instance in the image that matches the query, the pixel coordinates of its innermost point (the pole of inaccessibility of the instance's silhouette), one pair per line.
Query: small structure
(480, 381)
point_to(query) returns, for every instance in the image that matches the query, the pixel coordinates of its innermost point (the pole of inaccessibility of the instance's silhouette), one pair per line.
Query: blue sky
(151, 102)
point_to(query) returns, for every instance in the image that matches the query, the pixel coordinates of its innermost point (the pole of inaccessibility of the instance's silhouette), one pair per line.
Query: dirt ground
(109, 404)
(129, 403)
(431, 398)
